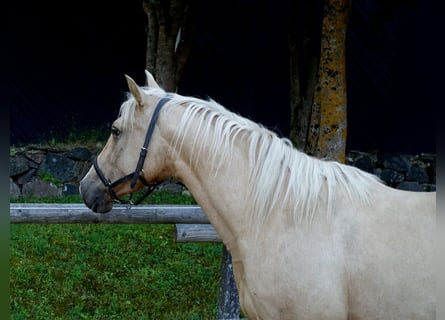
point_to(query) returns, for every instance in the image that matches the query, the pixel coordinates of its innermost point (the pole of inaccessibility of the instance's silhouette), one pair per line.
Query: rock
(431, 170)
(59, 167)
(391, 177)
(396, 161)
(27, 176)
(80, 153)
(351, 156)
(36, 156)
(40, 189)
(364, 163)
(176, 188)
(84, 168)
(186, 193)
(70, 189)
(378, 172)
(17, 165)
(14, 190)
(417, 172)
(430, 157)
(411, 186)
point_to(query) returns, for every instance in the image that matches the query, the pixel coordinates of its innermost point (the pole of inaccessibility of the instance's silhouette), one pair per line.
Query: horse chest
(280, 301)
(290, 285)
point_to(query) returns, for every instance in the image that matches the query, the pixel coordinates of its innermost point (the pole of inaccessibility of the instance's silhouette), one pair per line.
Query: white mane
(279, 175)
(277, 171)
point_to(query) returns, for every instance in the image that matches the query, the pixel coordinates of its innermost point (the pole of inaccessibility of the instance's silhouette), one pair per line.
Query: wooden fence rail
(191, 226)
(79, 213)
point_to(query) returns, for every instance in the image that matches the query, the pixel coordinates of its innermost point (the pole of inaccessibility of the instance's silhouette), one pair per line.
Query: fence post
(228, 301)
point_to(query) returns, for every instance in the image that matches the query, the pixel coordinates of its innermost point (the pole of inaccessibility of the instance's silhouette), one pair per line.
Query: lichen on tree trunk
(318, 95)
(328, 124)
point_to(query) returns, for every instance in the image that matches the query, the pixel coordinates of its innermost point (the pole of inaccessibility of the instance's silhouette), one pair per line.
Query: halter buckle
(144, 151)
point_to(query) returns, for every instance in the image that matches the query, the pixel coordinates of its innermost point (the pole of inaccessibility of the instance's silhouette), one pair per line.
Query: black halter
(138, 174)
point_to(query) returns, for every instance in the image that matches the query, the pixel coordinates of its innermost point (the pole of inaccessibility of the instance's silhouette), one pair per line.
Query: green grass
(94, 271)
(157, 197)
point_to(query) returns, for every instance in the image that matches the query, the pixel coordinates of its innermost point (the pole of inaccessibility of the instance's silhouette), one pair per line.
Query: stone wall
(398, 170)
(47, 171)
(56, 171)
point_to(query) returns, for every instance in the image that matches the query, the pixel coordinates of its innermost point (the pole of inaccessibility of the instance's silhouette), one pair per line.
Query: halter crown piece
(138, 172)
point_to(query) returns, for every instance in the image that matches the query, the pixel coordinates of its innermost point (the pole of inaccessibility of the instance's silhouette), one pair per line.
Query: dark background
(64, 67)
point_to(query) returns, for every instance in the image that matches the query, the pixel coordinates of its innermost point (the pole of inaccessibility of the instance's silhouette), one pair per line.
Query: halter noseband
(138, 174)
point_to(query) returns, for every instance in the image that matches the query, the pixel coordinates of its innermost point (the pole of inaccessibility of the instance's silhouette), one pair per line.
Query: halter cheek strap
(138, 173)
(144, 149)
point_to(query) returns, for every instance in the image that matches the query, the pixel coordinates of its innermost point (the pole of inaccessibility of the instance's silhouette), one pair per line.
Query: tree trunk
(327, 129)
(319, 94)
(304, 55)
(171, 25)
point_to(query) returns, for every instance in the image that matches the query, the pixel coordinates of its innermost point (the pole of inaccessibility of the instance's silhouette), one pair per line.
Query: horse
(309, 238)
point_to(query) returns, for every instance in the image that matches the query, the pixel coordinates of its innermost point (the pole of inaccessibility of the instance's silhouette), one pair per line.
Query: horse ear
(150, 81)
(135, 90)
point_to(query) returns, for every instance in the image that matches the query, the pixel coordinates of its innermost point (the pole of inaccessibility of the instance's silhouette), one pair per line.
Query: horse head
(135, 153)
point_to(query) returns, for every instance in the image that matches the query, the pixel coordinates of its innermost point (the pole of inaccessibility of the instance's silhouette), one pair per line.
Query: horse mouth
(97, 199)
(100, 207)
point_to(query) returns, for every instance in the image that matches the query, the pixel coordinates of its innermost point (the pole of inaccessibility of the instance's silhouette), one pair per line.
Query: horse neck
(218, 189)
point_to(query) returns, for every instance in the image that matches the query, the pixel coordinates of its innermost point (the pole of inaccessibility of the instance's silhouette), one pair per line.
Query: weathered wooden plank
(196, 233)
(79, 213)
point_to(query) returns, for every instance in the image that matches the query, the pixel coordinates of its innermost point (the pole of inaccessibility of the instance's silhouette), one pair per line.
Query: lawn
(93, 271)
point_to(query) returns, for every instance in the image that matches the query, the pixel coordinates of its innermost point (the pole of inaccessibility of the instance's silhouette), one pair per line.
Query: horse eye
(115, 131)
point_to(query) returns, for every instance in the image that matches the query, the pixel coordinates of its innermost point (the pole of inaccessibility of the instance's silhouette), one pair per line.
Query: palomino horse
(310, 239)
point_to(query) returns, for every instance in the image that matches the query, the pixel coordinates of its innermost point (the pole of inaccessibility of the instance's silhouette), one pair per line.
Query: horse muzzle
(95, 196)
